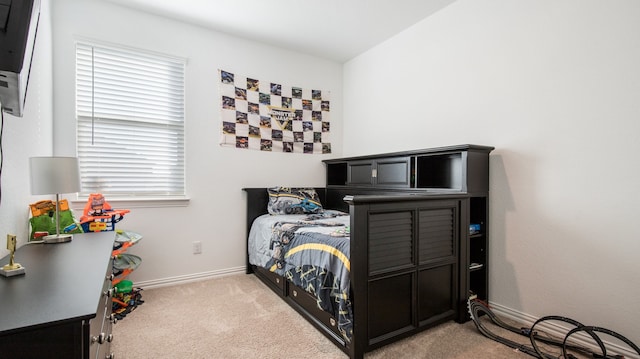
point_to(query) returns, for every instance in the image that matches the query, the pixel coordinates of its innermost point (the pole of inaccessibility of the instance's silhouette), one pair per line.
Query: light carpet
(237, 316)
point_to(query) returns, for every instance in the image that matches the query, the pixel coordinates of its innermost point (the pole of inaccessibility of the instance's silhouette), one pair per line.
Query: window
(130, 129)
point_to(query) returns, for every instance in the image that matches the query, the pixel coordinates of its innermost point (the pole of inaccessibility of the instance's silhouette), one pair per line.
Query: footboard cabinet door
(391, 272)
(391, 306)
(436, 294)
(410, 252)
(438, 249)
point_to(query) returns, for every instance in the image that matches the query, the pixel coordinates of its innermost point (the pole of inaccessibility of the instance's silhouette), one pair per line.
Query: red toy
(98, 215)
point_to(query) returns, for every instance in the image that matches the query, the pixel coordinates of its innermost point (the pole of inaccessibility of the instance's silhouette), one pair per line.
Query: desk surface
(63, 282)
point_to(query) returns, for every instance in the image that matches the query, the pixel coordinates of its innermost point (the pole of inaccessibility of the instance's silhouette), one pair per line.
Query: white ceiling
(333, 29)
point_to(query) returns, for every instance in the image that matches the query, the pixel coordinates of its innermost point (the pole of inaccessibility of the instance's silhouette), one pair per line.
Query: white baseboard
(559, 331)
(182, 279)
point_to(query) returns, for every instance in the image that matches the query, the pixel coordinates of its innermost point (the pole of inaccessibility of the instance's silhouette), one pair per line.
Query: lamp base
(11, 270)
(57, 238)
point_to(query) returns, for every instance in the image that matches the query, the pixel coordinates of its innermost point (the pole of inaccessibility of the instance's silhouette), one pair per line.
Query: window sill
(136, 203)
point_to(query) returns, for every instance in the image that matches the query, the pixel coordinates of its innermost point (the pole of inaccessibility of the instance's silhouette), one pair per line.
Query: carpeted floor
(239, 317)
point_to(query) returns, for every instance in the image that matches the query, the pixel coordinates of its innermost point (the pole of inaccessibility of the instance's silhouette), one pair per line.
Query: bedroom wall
(554, 86)
(215, 214)
(24, 137)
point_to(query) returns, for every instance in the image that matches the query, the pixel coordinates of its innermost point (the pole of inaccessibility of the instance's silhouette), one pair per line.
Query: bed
(396, 262)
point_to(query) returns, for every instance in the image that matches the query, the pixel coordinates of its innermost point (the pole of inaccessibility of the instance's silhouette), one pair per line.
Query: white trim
(188, 278)
(78, 39)
(558, 331)
(136, 203)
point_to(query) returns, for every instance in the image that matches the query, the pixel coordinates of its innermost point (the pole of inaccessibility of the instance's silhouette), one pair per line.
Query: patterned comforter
(312, 251)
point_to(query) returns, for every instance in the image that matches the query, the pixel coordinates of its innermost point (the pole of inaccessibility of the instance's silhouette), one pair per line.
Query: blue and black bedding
(312, 251)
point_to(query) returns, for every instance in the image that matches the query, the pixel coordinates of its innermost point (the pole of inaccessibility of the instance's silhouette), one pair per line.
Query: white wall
(215, 175)
(24, 137)
(555, 87)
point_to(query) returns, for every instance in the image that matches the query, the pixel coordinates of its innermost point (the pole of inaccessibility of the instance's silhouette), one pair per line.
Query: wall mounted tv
(18, 28)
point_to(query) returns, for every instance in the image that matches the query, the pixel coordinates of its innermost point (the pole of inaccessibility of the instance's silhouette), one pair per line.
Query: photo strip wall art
(269, 116)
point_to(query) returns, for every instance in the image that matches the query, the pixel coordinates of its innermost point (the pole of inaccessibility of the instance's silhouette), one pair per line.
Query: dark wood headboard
(258, 198)
(331, 198)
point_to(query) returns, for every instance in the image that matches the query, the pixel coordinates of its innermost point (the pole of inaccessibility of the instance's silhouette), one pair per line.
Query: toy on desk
(98, 216)
(43, 219)
(12, 268)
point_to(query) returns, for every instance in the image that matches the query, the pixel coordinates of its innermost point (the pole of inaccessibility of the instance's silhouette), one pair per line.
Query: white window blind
(130, 112)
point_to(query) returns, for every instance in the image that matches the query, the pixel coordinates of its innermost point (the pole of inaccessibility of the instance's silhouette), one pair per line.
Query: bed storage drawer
(308, 303)
(274, 281)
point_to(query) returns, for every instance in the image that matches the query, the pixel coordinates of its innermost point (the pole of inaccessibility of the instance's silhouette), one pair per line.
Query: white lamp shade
(53, 175)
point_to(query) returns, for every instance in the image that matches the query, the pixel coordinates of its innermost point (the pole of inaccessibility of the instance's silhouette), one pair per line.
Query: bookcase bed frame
(407, 264)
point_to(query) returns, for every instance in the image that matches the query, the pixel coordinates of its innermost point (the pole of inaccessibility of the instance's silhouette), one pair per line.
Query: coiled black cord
(563, 344)
(591, 329)
(477, 307)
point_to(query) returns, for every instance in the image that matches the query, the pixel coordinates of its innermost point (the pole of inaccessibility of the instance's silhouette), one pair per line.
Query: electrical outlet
(197, 247)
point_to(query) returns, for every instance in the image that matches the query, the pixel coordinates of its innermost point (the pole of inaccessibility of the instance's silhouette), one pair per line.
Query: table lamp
(57, 175)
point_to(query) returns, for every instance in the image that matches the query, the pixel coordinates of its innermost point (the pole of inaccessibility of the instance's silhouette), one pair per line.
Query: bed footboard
(406, 260)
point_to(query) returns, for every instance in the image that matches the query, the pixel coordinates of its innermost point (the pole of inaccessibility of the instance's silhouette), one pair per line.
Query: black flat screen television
(18, 27)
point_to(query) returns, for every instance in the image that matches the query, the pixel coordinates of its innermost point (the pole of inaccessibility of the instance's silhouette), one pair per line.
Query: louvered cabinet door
(392, 273)
(438, 233)
(413, 266)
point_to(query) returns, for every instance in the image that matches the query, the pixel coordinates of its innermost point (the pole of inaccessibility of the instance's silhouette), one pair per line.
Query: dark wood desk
(59, 308)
